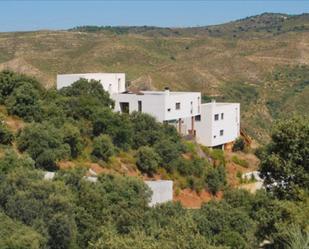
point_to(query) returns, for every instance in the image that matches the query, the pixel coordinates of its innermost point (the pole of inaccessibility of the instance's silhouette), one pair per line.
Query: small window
(139, 106)
(198, 118)
(222, 115)
(216, 117)
(178, 106)
(221, 132)
(169, 109)
(215, 136)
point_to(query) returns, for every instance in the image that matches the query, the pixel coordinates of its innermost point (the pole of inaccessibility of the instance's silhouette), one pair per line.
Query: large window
(177, 106)
(221, 132)
(216, 117)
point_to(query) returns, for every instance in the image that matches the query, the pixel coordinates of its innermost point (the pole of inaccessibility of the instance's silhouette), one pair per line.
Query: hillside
(261, 61)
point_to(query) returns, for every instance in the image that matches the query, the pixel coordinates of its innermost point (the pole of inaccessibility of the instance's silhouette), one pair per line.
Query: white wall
(162, 105)
(208, 129)
(162, 191)
(111, 82)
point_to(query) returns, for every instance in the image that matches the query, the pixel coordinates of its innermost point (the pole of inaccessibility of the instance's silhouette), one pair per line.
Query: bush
(103, 147)
(147, 160)
(24, 102)
(239, 144)
(215, 179)
(168, 151)
(11, 160)
(44, 143)
(6, 136)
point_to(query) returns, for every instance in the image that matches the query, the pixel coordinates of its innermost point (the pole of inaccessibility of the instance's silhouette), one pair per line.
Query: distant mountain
(261, 61)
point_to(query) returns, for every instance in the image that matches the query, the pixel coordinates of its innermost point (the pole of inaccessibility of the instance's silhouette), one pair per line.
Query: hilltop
(261, 61)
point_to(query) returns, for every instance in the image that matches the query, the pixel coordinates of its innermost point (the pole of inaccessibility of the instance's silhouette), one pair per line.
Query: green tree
(15, 235)
(215, 178)
(44, 143)
(72, 137)
(168, 151)
(10, 80)
(24, 102)
(10, 160)
(284, 164)
(103, 147)
(147, 160)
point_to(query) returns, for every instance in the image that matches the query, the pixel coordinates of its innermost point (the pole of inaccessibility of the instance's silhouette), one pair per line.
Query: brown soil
(14, 123)
(190, 199)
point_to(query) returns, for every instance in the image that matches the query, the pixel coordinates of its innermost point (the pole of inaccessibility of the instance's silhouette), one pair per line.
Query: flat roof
(97, 74)
(159, 93)
(220, 103)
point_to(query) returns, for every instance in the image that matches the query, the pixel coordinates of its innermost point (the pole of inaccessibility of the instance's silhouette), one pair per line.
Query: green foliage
(284, 165)
(168, 151)
(215, 178)
(44, 143)
(9, 81)
(239, 144)
(41, 204)
(103, 148)
(15, 235)
(297, 239)
(10, 160)
(147, 160)
(72, 137)
(6, 136)
(24, 102)
(117, 126)
(226, 225)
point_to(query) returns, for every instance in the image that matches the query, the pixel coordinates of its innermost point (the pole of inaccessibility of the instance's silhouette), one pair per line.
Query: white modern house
(212, 124)
(111, 82)
(218, 124)
(165, 106)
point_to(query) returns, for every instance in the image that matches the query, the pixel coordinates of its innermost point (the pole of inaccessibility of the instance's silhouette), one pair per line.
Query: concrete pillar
(192, 126)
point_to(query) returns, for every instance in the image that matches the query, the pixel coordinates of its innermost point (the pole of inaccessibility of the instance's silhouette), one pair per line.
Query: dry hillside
(261, 61)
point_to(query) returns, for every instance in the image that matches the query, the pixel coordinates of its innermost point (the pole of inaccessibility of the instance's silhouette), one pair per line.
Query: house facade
(218, 124)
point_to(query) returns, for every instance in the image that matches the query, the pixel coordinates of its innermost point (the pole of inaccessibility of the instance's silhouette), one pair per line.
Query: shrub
(44, 143)
(239, 144)
(103, 147)
(168, 152)
(24, 102)
(6, 136)
(147, 160)
(215, 179)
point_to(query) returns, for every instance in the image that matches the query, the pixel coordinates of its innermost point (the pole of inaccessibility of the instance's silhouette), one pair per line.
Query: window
(119, 85)
(169, 109)
(221, 132)
(222, 115)
(191, 107)
(215, 136)
(198, 118)
(216, 117)
(139, 106)
(178, 106)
